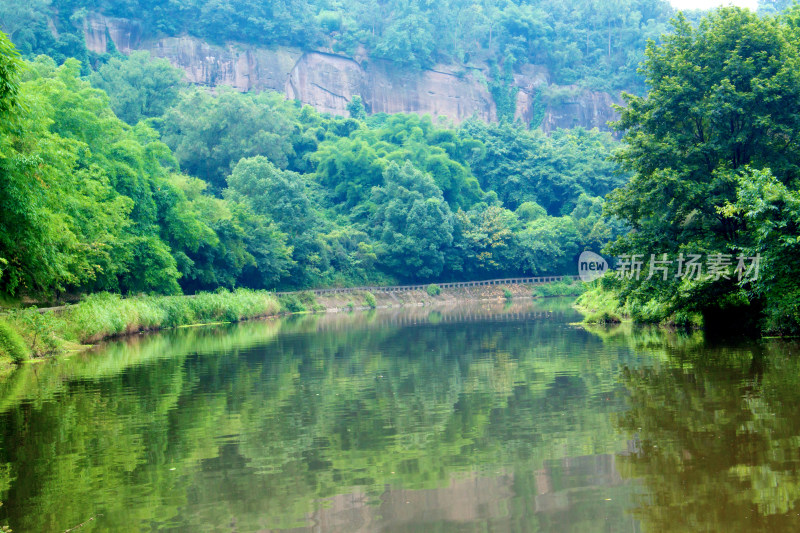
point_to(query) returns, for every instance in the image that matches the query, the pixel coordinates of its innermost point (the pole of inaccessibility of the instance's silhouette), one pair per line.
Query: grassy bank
(29, 333)
(601, 305)
(559, 288)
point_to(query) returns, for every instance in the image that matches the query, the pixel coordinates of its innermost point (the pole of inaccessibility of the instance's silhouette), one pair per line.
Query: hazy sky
(706, 4)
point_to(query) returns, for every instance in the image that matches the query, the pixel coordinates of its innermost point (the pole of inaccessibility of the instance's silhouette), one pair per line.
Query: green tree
(725, 96)
(10, 66)
(139, 87)
(284, 197)
(527, 166)
(356, 109)
(485, 239)
(60, 218)
(413, 223)
(772, 212)
(209, 134)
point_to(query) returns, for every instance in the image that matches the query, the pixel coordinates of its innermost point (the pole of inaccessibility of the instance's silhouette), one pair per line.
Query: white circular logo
(591, 266)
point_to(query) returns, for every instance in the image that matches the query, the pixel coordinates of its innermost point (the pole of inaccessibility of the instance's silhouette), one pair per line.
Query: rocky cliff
(327, 81)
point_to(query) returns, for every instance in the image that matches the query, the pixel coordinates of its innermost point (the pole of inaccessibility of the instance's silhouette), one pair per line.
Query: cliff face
(327, 81)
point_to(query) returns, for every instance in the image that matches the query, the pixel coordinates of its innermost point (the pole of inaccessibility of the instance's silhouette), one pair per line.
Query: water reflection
(487, 417)
(717, 433)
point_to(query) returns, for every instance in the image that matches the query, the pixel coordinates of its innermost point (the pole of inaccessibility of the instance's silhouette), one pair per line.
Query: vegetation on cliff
(595, 45)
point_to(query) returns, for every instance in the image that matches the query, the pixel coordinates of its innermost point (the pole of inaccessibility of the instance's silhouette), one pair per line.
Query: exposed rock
(328, 81)
(589, 109)
(244, 69)
(126, 34)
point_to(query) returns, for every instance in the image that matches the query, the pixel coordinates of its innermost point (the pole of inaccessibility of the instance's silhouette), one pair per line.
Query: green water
(482, 418)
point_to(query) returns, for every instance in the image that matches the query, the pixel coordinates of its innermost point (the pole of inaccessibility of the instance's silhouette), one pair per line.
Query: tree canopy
(719, 127)
(195, 190)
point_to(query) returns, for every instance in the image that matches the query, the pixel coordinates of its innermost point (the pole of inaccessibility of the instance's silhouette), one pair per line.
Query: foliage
(298, 302)
(274, 195)
(596, 45)
(559, 288)
(209, 135)
(139, 87)
(356, 108)
(38, 330)
(413, 223)
(12, 345)
(433, 290)
(369, 299)
(10, 66)
(713, 151)
(602, 317)
(526, 166)
(772, 214)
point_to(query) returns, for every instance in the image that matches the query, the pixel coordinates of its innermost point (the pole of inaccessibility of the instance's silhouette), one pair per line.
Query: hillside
(544, 63)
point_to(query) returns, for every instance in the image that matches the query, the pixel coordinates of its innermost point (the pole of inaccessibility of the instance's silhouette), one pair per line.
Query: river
(483, 417)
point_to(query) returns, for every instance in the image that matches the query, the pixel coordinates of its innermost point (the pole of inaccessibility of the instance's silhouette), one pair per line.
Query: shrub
(39, 331)
(507, 294)
(351, 306)
(291, 303)
(369, 299)
(433, 290)
(308, 300)
(559, 288)
(686, 320)
(603, 317)
(12, 346)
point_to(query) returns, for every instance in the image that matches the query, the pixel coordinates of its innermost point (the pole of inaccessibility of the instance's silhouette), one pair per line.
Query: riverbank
(31, 334)
(602, 306)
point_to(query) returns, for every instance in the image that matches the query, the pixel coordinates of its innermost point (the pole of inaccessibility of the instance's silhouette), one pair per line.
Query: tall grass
(597, 300)
(106, 315)
(559, 288)
(99, 316)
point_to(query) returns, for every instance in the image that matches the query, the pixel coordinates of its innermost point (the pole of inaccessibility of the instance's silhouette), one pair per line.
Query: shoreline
(34, 334)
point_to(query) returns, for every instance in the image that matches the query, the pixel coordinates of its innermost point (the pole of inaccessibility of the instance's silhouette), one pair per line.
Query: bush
(559, 288)
(596, 299)
(308, 300)
(369, 299)
(433, 290)
(507, 294)
(686, 320)
(603, 317)
(12, 346)
(39, 331)
(291, 303)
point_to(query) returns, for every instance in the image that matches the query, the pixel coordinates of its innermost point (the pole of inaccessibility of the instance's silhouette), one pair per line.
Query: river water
(480, 418)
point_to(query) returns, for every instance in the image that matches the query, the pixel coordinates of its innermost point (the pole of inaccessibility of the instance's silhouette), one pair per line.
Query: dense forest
(199, 191)
(118, 176)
